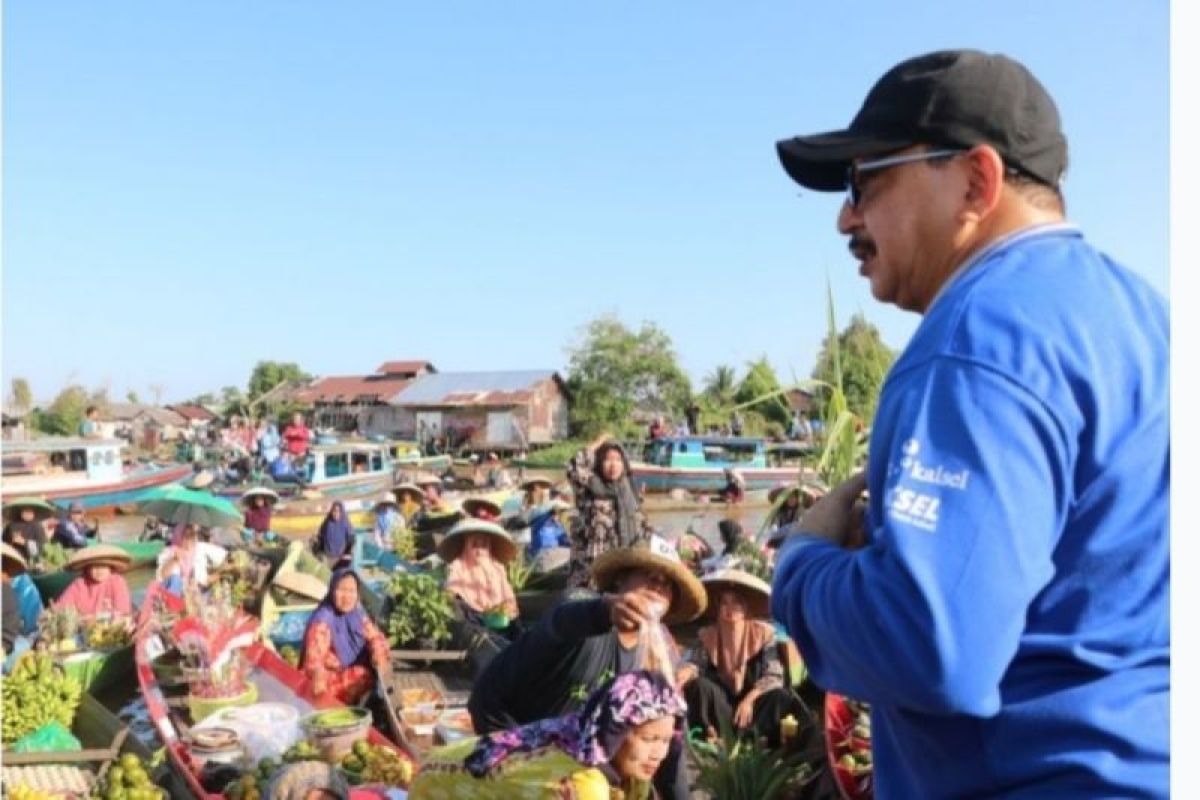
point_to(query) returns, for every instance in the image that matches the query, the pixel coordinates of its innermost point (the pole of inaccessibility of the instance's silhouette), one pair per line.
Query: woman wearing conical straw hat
(477, 551)
(100, 590)
(734, 677)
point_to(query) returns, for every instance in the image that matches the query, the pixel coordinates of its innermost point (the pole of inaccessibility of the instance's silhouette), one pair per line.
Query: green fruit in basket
(352, 764)
(361, 748)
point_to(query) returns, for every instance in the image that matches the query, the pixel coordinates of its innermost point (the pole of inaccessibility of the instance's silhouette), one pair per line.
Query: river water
(126, 700)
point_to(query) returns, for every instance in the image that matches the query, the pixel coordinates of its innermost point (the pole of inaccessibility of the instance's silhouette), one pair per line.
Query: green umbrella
(41, 509)
(177, 505)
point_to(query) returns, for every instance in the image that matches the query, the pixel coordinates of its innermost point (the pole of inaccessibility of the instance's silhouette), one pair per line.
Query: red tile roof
(352, 389)
(193, 412)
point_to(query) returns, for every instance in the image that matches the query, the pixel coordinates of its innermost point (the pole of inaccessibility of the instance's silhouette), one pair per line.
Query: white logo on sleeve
(919, 506)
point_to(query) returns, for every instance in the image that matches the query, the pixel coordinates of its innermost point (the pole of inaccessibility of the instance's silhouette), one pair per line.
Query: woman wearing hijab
(25, 530)
(335, 540)
(610, 513)
(269, 444)
(343, 649)
(735, 677)
(612, 748)
(100, 590)
(477, 551)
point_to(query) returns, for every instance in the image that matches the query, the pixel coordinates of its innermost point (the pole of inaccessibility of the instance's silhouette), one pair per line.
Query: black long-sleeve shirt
(552, 668)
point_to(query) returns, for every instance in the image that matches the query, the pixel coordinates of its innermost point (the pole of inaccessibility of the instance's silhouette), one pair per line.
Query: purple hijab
(593, 735)
(336, 536)
(347, 631)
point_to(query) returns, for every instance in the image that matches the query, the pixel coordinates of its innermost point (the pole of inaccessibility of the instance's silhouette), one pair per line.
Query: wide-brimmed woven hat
(41, 509)
(481, 508)
(410, 488)
(689, 600)
(532, 482)
(303, 584)
(105, 554)
(201, 480)
(12, 555)
(504, 549)
(755, 592)
(387, 499)
(260, 491)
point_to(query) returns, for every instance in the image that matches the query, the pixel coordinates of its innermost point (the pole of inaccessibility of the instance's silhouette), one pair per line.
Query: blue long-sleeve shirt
(1008, 619)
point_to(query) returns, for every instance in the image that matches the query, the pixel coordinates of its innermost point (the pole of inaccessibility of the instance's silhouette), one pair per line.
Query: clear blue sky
(192, 187)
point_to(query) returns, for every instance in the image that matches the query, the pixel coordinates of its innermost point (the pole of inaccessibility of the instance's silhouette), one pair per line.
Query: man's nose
(848, 218)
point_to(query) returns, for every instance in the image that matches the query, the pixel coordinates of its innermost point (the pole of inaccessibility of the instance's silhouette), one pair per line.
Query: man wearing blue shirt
(1003, 603)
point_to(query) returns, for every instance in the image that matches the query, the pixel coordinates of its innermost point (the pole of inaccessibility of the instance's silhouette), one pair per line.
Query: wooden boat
(301, 517)
(92, 472)
(276, 602)
(274, 680)
(99, 670)
(698, 464)
(104, 738)
(348, 468)
(51, 584)
(408, 459)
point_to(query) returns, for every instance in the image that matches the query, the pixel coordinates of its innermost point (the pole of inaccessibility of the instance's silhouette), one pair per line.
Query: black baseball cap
(951, 98)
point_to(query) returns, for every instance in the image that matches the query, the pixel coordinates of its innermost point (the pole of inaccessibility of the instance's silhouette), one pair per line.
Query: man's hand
(835, 516)
(629, 611)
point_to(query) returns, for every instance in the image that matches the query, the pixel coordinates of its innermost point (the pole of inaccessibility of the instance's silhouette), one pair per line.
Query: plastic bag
(265, 730)
(652, 650)
(52, 737)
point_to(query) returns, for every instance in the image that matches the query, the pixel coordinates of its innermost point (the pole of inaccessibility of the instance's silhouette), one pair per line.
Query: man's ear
(985, 180)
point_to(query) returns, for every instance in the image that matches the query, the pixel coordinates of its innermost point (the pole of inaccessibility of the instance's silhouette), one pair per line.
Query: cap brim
(820, 161)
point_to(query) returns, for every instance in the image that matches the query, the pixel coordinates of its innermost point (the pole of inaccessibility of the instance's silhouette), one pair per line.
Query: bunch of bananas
(35, 693)
(106, 635)
(24, 792)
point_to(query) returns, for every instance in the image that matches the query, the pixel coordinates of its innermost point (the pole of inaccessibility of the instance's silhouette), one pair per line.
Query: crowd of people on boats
(626, 593)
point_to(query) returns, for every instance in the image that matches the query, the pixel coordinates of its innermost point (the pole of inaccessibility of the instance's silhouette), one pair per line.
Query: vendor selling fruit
(100, 590)
(342, 644)
(477, 551)
(614, 747)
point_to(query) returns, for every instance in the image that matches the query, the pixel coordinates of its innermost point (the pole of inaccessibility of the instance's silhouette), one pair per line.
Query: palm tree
(721, 384)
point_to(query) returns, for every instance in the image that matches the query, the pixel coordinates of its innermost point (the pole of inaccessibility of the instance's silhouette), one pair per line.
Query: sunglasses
(854, 191)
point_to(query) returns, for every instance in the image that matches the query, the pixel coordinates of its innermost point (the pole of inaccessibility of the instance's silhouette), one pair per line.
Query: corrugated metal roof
(471, 388)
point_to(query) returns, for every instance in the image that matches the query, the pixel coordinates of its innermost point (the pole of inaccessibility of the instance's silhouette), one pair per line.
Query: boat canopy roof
(725, 441)
(52, 443)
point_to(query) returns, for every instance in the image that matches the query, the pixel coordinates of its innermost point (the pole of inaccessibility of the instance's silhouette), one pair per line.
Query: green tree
(22, 395)
(615, 371)
(720, 385)
(132, 397)
(63, 416)
(232, 401)
(761, 392)
(207, 399)
(864, 362)
(269, 374)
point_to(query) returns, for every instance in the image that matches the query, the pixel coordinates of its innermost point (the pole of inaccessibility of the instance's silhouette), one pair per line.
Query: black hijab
(619, 491)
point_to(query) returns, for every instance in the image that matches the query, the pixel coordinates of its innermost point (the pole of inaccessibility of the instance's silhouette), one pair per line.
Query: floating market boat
(407, 459)
(51, 584)
(301, 517)
(289, 596)
(348, 468)
(91, 472)
(276, 686)
(104, 739)
(698, 464)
